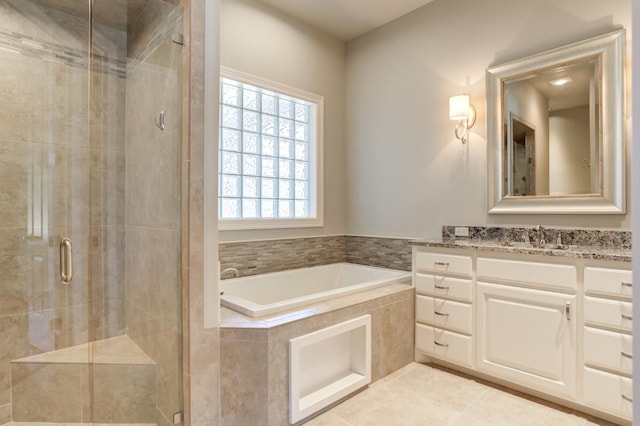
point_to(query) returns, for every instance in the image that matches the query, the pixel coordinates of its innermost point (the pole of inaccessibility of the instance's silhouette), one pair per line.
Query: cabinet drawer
(608, 349)
(439, 286)
(440, 263)
(608, 392)
(443, 344)
(608, 313)
(540, 274)
(608, 282)
(444, 313)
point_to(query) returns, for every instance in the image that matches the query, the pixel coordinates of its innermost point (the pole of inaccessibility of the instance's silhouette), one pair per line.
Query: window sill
(240, 224)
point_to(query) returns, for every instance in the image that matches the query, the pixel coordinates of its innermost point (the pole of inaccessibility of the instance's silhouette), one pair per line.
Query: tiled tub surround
(581, 290)
(259, 257)
(254, 351)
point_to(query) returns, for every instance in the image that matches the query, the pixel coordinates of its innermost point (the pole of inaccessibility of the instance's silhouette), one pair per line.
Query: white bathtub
(265, 294)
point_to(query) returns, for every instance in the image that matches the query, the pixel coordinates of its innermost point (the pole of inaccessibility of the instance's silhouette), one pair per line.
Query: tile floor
(422, 395)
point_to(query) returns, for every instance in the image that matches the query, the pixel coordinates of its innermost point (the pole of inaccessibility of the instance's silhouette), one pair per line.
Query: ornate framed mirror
(555, 124)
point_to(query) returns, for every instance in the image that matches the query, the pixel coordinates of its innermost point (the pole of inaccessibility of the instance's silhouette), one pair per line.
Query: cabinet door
(528, 337)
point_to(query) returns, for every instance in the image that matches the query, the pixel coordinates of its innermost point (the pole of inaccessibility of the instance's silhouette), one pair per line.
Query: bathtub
(266, 294)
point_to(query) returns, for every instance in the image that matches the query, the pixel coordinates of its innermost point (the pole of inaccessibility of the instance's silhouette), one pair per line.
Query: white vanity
(553, 323)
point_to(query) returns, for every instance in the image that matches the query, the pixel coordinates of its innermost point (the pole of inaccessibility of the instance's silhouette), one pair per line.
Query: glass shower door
(45, 164)
(90, 181)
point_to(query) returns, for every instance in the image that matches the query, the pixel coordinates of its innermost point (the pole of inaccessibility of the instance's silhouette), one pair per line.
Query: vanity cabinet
(608, 352)
(559, 327)
(527, 324)
(444, 315)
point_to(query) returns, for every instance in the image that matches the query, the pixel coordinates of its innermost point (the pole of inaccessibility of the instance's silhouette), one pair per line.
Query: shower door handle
(66, 261)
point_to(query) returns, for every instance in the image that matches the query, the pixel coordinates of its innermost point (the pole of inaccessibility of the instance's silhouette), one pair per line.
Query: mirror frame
(610, 49)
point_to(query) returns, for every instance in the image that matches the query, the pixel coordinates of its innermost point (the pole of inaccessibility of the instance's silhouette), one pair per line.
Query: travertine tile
(328, 419)
(506, 409)
(47, 392)
(124, 393)
(394, 337)
(374, 406)
(244, 374)
(437, 386)
(5, 413)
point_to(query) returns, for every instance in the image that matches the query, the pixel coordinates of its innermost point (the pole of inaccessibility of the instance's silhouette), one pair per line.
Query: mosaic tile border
(28, 46)
(580, 237)
(260, 257)
(393, 253)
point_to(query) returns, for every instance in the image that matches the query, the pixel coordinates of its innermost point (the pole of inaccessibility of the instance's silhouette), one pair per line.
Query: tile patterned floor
(422, 395)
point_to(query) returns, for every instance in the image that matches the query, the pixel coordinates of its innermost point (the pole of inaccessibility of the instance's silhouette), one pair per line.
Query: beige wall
(261, 41)
(407, 175)
(569, 148)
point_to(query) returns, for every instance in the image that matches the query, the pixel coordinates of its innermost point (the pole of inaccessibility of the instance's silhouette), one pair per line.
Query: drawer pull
(441, 287)
(441, 263)
(626, 317)
(626, 398)
(626, 355)
(625, 284)
(442, 314)
(444, 345)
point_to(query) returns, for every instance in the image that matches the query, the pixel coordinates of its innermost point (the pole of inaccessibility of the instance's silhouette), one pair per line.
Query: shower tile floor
(422, 395)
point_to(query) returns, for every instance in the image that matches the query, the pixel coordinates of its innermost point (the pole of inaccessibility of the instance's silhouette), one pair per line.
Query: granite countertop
(572, 251)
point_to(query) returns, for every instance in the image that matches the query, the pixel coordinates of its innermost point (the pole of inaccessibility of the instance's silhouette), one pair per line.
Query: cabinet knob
(444, 345)
(626, 284)
(626, 317)
(567, 310)
(626, 355)
(626, 398)
(442, 314)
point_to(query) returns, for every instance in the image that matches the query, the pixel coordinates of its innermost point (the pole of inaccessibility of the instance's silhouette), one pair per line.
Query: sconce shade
(459, 107)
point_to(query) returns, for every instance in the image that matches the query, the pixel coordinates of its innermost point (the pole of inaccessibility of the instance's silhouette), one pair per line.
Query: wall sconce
(464, 113)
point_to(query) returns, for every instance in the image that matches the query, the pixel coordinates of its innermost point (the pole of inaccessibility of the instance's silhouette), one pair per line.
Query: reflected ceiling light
(464, 113)
(561, 81)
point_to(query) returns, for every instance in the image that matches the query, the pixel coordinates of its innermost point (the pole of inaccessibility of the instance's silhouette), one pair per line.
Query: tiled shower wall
(153, 197)
(56, 184)
(259, 257)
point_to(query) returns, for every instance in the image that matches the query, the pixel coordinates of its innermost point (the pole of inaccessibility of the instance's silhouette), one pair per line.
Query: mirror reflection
(552, 136)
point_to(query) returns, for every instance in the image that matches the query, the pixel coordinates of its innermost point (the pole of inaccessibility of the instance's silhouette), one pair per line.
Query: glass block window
(267, 153)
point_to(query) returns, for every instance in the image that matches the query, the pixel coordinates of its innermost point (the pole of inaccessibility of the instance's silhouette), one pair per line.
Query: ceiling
(346, 19)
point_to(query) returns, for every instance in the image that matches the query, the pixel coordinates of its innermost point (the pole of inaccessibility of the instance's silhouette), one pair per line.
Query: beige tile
(375, 407)
(59, 401)
(124, 393)
(12, 329)
(503, 408)
(393, 334)
(5, 414)
(464, 420)
(69, 106)
(27, 82)
(328, 419)
(433, 385)
(244, 382)
(107, 187)
(154, 272)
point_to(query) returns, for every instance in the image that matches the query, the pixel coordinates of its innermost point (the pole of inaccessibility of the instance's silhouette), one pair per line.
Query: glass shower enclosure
(90, 211)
